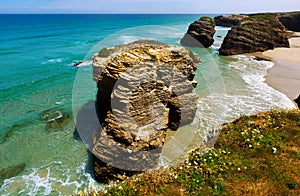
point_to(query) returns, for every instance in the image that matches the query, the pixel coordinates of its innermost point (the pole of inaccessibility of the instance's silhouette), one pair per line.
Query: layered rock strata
(200, 33)
(144, 90)
(255, 34)
(229, 20)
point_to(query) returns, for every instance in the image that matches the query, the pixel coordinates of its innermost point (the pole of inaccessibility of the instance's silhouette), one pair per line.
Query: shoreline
(284, 75)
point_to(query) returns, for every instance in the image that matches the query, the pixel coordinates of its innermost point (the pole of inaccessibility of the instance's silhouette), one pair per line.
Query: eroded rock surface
(229, 20)
(144, 89)
(255, 34)
(200, 33)
(290, 20)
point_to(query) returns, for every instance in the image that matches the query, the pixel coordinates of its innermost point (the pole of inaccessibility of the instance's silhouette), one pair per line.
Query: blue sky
(147, 6)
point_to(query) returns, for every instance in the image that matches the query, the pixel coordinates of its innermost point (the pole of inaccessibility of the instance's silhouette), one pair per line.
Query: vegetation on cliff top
(254, 155)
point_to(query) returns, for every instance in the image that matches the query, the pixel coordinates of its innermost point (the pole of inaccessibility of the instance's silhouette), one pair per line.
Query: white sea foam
(253, 73)
(125, 39)
(221, 28)
(51, 178)
(84, 63)
(50, 61)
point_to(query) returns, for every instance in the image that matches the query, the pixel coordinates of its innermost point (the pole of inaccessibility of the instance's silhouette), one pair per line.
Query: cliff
(200, 33)
(144, 91)
(255, 34)
(229, 20)
(290, 20)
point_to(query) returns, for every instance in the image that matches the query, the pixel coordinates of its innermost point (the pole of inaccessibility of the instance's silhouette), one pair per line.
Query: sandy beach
(285, 75)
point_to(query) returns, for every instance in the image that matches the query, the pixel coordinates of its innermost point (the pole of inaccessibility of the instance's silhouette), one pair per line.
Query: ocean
(37, 54)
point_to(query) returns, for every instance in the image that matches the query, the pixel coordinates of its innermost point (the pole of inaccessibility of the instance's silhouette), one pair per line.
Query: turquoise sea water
(37, 53)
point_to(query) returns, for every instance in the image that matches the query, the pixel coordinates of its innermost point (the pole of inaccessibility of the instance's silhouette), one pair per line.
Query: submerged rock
(144, 88)
(255, 34)
(55, 119)
(229, 20)
(200, 33)
(14, 128)
(11, 171)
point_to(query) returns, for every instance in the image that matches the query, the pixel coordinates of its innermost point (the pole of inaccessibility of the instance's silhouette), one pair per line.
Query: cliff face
(254, 34)
(144, 91)
(200, 33)
(290, 20)
(229, 20)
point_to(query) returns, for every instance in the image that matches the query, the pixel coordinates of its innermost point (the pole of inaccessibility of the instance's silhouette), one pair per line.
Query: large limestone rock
(200, 33)
(144, 90)
(255, 34)
(229, 20)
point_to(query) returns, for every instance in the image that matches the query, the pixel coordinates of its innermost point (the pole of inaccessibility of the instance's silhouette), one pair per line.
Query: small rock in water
(55, 119)
(11, 171)
(76, 64)
(258, 58)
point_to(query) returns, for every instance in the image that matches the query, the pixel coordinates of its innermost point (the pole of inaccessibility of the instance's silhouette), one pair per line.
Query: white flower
(274, 149)
(239, 169)
(250, 146)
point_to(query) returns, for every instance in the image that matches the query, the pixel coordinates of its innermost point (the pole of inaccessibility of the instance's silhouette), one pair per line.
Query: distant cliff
(229, 20)
(290, 20)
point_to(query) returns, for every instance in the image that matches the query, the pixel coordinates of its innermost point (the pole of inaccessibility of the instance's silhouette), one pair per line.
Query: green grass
(209, 19)
(254, 155)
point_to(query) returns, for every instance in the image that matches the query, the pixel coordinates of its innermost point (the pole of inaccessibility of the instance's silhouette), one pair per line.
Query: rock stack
(144, 91)
(200, 33)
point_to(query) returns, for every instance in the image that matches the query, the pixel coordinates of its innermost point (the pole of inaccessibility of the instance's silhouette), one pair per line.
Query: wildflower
(120, 187)
(274, 149)
(239, 169)
(250, 146)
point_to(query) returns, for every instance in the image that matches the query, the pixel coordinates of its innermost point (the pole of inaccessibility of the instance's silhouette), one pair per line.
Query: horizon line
(250, 12)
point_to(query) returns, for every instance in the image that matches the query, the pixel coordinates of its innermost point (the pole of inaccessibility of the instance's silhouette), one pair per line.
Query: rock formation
(144, 89)
(255, 34)
(229, 20)
(290, 20)
(200, 33)
(56, 120)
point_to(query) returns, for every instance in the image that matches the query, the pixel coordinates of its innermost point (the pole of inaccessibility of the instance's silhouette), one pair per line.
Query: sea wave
(53, 178)
(34, 37)
(52, 60)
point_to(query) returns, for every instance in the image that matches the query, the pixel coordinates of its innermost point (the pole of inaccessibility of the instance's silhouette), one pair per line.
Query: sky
(147, 6)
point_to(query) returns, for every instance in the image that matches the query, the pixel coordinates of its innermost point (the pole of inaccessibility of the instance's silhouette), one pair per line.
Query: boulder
(255, 34)
(200, 33)
(144, 89)
(229, 20)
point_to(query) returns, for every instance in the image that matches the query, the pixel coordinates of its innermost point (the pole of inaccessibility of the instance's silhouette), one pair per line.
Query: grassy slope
(254, 155)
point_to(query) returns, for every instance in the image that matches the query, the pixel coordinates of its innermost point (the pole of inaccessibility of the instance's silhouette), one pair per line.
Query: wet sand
(285, 75)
